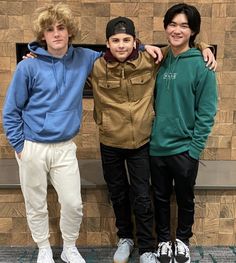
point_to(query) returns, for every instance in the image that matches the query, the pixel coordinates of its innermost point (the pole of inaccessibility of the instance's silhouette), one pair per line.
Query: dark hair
(192, 14)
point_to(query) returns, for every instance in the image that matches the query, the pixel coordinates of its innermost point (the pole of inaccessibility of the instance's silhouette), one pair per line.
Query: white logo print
(169, 75)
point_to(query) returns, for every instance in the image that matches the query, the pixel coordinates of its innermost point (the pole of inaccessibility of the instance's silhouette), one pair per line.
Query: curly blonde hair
(48, 15)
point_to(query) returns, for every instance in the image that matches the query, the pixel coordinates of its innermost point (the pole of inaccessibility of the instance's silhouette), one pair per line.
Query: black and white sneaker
(164, 252)
(182, 253)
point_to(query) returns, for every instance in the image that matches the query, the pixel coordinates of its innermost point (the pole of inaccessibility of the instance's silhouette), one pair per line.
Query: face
(121, 45)
(178, 34)
(56, 37)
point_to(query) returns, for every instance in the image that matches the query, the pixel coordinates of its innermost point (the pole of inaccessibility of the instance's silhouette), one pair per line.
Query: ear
(135, 44)
(107, 43)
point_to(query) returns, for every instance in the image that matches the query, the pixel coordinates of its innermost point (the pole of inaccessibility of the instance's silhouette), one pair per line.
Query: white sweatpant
(58, 163)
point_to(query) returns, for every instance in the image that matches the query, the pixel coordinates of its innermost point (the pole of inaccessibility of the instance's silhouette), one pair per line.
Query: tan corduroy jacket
(123, 100)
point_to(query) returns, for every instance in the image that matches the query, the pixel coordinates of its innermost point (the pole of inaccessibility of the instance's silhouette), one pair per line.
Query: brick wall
(218, 27)
(215, 222)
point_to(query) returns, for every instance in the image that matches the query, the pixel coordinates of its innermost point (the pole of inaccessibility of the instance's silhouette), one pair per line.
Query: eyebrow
(60, 25)
(185, 23)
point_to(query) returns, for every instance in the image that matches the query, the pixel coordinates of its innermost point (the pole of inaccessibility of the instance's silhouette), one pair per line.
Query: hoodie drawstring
(58, 86)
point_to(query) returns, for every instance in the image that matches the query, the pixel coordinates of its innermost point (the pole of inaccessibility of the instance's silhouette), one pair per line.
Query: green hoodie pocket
(168, 132)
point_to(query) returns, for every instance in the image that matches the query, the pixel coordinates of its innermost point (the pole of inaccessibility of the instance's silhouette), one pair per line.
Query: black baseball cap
(120, 25)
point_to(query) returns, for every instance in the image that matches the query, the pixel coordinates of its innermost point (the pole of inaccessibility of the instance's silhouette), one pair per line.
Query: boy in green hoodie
(185, 106)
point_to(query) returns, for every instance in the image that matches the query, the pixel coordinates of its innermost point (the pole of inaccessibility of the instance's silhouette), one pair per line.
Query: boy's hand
(155, 52)
(29, 55)
(209, 58)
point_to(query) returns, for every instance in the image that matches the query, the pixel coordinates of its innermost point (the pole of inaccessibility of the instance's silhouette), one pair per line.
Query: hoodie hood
(35, 48)
(191, 52)
(59, 72)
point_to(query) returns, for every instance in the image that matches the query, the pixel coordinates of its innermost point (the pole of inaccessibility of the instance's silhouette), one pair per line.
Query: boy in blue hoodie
(41, 115)
(185, 106)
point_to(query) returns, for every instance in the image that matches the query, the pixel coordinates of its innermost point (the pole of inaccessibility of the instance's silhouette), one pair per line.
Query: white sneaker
(71, 255)
(182, 253)
(45, 255)
(147, 257)
(164, 252)
(125, 248)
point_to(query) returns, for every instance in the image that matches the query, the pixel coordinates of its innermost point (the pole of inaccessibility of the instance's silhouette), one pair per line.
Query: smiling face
(57, 39)
(121, 45)
(178, 33)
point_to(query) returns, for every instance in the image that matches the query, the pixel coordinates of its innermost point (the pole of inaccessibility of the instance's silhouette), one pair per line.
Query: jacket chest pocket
(142, 85)
(109, 91)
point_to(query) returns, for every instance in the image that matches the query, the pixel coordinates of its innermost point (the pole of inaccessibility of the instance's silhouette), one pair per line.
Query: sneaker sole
(181, 260)
(124, 261)
(64, 258)
(165, 260)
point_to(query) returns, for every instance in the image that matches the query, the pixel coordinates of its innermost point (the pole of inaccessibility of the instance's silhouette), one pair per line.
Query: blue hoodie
(44, 99)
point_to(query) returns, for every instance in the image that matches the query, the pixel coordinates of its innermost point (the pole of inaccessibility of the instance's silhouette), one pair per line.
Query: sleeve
(16, 98)
(205, 111)
(201, 46)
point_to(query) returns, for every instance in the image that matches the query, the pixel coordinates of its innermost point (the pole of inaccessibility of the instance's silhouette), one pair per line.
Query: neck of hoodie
(110, 58)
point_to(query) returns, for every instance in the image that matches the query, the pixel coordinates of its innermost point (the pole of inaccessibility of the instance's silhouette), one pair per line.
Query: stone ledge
(212, 174)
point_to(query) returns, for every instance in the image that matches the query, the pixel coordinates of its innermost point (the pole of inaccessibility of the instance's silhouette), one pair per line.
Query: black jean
(130, 192)
(181, 170)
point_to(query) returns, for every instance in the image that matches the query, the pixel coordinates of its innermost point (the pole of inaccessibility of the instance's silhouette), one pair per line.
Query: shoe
(125, 248)
(45, 255)
(182, 253)
(164, 252)
(71, 255)
(147, 257)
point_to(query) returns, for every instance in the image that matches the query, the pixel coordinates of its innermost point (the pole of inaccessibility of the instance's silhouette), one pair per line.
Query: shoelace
(165, 248)
(124, 241)
(148, 255)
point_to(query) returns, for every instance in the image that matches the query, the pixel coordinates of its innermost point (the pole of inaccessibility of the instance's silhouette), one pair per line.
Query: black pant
(134, 192)
(182, 170)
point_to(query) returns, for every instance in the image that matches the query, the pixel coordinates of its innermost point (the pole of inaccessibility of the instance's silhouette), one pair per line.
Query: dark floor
(104, 255)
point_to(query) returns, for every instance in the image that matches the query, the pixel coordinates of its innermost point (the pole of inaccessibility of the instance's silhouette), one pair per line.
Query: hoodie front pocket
(167, 131)
(63, 124)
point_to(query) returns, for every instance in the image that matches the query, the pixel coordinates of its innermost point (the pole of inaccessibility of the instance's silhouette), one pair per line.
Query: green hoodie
(185, 105)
